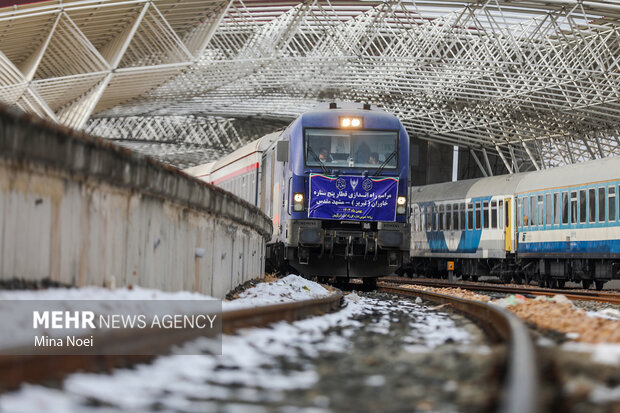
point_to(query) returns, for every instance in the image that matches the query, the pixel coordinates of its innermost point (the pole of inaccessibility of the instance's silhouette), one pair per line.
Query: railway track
(521, 373)
(600, 296)
(18, 369)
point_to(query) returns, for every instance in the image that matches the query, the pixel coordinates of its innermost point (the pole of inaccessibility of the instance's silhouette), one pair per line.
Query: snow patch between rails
(288, 289)
(604, 353)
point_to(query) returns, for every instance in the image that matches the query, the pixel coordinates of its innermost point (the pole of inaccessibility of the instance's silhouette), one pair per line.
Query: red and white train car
(249, 173)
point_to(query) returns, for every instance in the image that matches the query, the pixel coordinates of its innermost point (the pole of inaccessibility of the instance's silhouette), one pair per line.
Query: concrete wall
(81, 211)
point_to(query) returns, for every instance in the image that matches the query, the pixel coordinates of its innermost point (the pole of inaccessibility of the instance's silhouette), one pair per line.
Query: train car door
(508, 225)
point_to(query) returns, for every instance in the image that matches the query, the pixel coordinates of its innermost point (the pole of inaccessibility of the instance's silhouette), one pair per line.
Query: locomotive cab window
(351, 148)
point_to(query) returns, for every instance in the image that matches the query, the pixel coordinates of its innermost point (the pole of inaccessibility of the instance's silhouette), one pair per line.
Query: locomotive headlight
(400, 205)
(350, 122)
(298, 202)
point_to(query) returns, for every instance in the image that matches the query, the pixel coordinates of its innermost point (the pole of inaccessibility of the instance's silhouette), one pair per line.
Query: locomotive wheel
(465, 277)
(474, 278)
(560, 283)
(369, 282)
(599, 285)
(586, 283)
(518, 279)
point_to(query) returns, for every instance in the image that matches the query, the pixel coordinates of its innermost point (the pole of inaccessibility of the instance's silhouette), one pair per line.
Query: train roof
(595, 171)
(258, 145)
(577, 174)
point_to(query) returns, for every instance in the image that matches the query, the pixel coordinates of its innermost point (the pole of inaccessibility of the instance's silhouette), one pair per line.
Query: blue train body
(552, 226)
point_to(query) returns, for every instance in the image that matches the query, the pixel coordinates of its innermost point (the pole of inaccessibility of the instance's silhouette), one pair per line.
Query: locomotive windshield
(351, 148)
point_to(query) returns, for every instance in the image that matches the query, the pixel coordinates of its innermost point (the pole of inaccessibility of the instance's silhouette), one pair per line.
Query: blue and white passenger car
(553, 225)
(335, 184)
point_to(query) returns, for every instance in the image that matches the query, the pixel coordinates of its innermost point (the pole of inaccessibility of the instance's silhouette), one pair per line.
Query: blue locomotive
(550, 226)
(335, 183)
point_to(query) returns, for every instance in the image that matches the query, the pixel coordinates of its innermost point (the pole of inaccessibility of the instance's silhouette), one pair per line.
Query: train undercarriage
(316, 248)
(546, 272)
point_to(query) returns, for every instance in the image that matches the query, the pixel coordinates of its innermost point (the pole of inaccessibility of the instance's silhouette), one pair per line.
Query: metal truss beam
(535, 81)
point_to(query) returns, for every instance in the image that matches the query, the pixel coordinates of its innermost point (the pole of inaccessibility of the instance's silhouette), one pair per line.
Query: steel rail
(612, 298)
(18, 369)
(520, 393)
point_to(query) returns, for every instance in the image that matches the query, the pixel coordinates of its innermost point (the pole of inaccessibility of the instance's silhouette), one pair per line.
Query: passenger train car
(551, 226)
(335, 183)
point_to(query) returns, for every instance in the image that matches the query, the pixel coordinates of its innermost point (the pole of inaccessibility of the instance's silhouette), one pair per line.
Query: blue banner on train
(353, 198)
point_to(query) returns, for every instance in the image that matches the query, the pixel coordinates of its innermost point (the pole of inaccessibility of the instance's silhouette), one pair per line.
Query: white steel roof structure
(535, 82)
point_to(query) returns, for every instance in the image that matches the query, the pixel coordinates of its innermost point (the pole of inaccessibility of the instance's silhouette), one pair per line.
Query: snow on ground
(604, 353)
(250, 370)
(287, 289)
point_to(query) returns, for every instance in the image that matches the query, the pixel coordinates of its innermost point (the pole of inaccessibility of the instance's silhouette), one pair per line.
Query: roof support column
(529, 153)
(501, 155)
(486, 161)
(473, 154)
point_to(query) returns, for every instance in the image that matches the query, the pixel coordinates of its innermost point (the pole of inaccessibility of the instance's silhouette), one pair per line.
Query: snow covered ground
(250, 371)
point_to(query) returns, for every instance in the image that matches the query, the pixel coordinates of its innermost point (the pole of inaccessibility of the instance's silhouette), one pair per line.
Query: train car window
(478, 215)
(565, 209)
(455, 217)
(573, 207)
(611, 203)
(493, 214)
(533, 211)
(519, 213)
(462, 216)
(485, 214)
(442, 217)
(470, 216)
(601, 204)
(429, 221)
(582, 206)
(548, 210)
(435, 218)
(500, 214)
(592, 205)
(557, 208)
(449, 217)
(541, 210)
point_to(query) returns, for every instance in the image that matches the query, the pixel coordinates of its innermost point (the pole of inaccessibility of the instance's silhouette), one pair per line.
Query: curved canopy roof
(536, 82)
